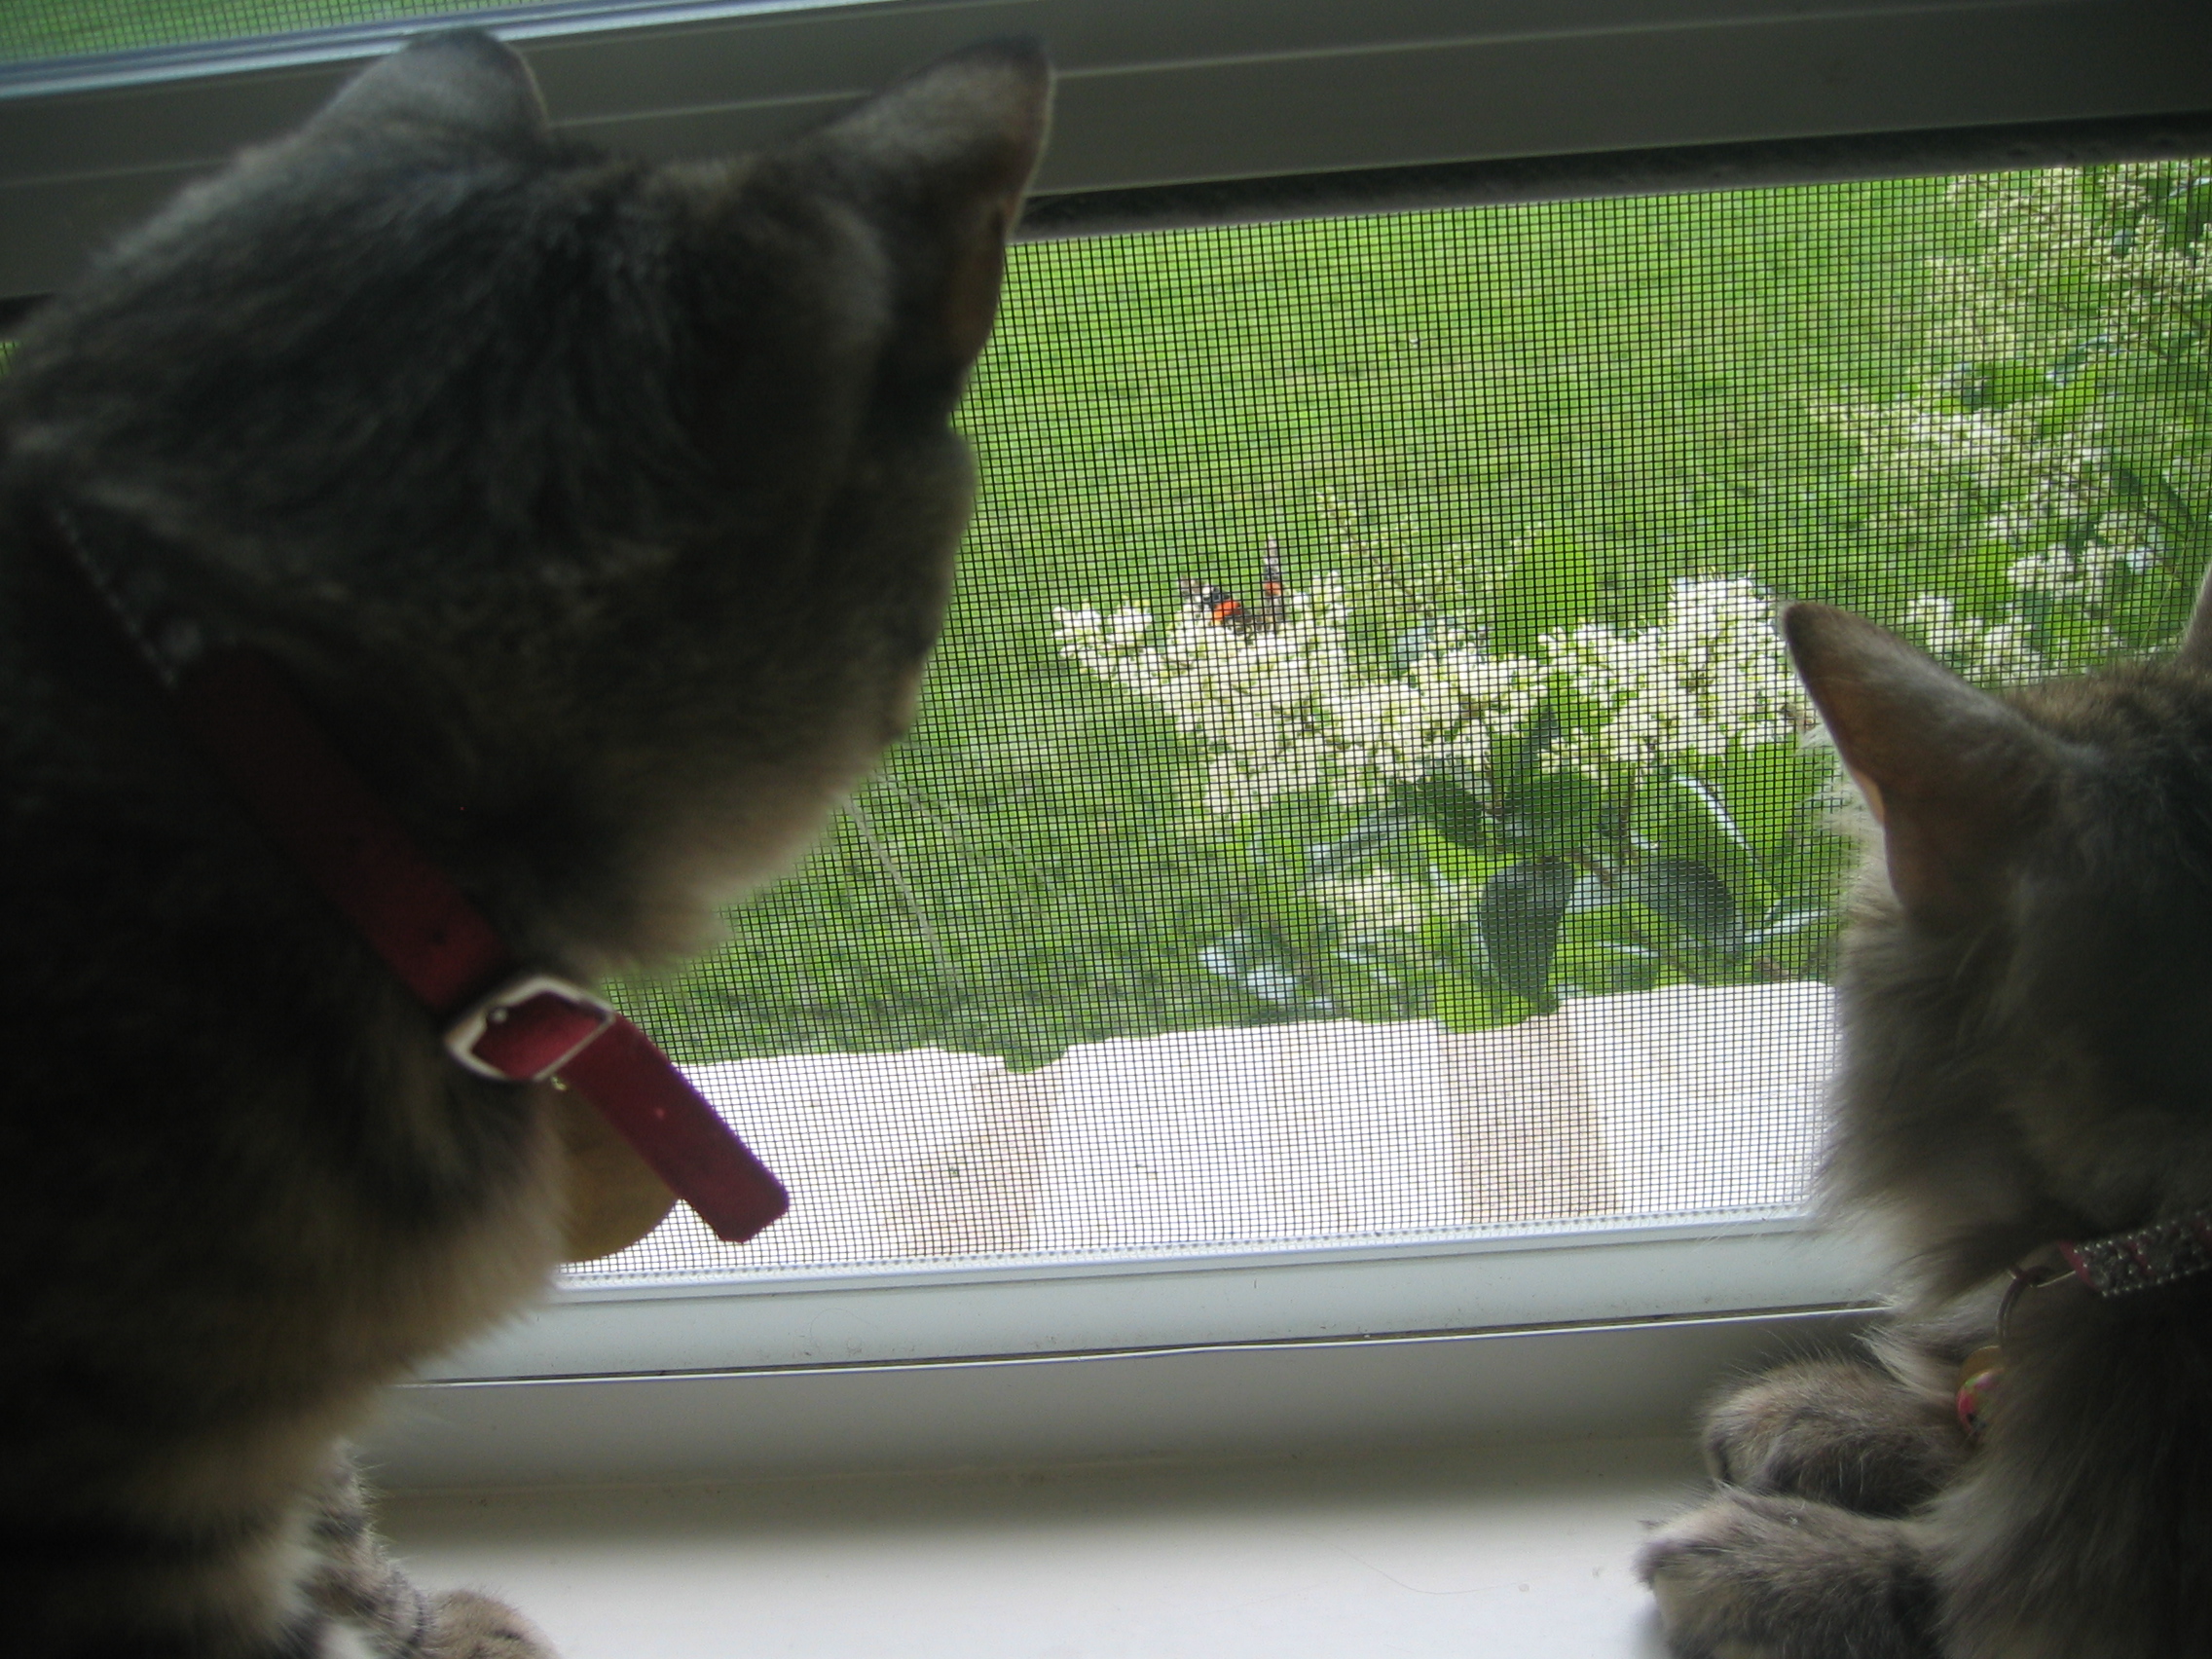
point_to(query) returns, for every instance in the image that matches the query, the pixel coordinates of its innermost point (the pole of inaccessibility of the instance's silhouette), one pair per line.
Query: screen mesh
(1360, 795)
(67, 28)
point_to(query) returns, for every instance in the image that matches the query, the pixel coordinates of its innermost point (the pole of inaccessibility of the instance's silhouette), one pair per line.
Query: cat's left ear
(460, 83)
(1951, 772)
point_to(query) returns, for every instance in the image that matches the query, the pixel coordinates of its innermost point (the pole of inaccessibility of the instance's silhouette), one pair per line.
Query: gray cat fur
(2027, 1057)
(604, 514)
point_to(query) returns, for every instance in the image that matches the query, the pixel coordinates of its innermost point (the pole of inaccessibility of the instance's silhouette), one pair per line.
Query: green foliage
(1712, 872)
(2059, 461)
(1518, 918)
(1452, 392)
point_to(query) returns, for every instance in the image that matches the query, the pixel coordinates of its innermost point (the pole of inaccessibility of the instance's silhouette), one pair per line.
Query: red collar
(500, 1019)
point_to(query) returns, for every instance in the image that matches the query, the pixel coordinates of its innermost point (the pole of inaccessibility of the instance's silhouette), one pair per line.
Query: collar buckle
(527, 1029)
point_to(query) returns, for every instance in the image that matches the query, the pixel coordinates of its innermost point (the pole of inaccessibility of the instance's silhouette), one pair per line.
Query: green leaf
(1519, 917)
(1552, 812)
(1462, 1002)
(1454, 811)
(2186, 212)
(1690, 895)
(1601, 965)
(1716, 809)
(1256, 967)
(1543, 730)
(2075, 399)
(1449, 859)
(1790, 921)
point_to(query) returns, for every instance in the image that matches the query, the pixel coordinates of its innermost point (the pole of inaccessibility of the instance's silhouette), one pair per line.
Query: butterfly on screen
(1224, 610)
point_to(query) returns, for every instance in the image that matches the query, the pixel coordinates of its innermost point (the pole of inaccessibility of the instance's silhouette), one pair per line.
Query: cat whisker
(958, 821)
(947, 971)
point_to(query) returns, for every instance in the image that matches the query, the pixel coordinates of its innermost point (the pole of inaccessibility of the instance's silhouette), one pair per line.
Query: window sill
(1500, 1551)
(1697, 1268)
(1257, 1399)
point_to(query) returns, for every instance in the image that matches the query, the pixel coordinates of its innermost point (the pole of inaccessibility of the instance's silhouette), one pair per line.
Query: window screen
(60, 28)
(1361, 795)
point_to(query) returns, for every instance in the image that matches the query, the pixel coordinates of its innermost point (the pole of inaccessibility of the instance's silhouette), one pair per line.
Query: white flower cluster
(2005, 652)
(2083, 284)
(1257, 702)
(1288, 711)
(1998, 454)
(1996, 653)
(1711, 677)
(1382, 901)
(2055, 255)
(2084, 577)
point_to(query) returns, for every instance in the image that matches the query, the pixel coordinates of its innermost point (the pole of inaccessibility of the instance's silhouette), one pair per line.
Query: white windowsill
(1520, 1553)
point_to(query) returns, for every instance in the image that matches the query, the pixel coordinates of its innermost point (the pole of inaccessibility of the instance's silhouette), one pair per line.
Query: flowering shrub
(2058, 462)
(1472, 835)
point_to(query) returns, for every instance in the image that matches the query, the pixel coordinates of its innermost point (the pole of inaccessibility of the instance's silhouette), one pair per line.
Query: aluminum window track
(1527, 96)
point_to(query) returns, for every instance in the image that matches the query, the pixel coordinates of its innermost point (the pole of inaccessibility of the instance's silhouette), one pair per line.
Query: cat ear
(1950, 771)
(941, 160)
(460, 82)
(2195, 646)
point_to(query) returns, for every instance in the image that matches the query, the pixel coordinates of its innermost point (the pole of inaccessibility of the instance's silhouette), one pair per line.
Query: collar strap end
(2149, 1258)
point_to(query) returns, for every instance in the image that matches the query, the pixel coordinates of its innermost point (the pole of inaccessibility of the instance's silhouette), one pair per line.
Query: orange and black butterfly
(1224, 610)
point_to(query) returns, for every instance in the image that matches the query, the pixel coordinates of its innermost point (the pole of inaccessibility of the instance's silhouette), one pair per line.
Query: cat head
(2028, 974)
(605, 510)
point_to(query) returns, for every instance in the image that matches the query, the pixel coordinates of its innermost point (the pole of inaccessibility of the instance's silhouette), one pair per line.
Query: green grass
(1636, 374)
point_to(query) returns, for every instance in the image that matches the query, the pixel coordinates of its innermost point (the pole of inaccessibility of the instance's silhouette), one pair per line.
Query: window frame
(1174, 114)
(1159, 94)
(1716, 1266)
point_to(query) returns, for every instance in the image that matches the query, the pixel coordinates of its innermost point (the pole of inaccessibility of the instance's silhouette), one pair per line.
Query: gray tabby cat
(602, 514)
(2026, 1094)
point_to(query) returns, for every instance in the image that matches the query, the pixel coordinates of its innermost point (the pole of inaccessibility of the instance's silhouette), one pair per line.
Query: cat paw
(468, 1625)
(1842, 1433)
(1748, 1576)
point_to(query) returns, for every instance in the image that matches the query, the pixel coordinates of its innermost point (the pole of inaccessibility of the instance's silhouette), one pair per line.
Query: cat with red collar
(439, 566)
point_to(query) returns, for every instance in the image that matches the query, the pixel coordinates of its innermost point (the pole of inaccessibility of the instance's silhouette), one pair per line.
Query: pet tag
(614, 1196)
(1978, 1380)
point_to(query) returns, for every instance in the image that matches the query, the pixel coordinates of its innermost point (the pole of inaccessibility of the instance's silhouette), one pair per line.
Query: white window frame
(1715, 1266)
(1170, 112)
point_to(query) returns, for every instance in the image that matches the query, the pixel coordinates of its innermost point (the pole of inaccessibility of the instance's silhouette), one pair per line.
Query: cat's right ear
(940, 162)
(460, 83)
(2195, 646)
(1950, 771)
